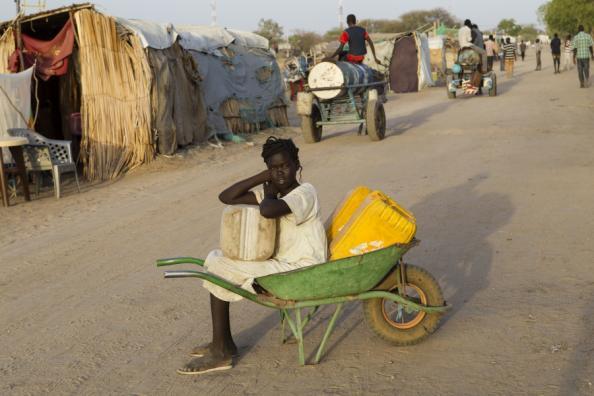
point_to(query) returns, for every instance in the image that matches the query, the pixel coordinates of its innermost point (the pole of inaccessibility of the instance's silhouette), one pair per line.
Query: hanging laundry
(15, 103)
(51, 57)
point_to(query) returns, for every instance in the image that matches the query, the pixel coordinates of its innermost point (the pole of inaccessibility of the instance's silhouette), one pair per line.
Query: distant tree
(304, 40)
(509, 26)
(564, 16)
(410, 21)
(415, 19)
(332, 34)
(271, 30)
(528, 33)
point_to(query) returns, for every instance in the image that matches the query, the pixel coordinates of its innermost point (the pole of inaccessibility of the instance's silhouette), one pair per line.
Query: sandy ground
(501, 187)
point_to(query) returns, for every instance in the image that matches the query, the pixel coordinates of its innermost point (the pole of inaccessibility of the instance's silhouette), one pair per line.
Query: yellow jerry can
(377, 222)
(345, 210)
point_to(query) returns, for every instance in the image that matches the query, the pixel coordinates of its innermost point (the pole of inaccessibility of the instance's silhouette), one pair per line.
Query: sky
(314, 15)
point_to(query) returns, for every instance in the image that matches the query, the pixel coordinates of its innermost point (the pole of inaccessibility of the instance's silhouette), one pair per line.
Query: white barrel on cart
(339, 75)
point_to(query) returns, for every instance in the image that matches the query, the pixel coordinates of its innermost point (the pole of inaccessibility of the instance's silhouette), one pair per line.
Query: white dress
(300, 242)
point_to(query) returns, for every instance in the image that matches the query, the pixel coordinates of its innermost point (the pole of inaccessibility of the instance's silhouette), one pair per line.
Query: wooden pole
(19, 43)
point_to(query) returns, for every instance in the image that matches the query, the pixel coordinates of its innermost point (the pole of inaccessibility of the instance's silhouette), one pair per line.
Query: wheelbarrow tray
(347, 276)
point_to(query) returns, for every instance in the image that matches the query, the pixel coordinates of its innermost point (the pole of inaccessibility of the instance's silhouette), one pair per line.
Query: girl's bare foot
(205, 350)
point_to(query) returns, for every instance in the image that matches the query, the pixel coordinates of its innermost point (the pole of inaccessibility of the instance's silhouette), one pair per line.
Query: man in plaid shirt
(582, 52)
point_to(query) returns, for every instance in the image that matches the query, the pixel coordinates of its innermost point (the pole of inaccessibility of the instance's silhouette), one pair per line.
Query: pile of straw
(115, 82)
(7, 47)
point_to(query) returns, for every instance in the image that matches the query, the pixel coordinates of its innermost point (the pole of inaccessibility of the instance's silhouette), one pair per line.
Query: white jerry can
(246, 234)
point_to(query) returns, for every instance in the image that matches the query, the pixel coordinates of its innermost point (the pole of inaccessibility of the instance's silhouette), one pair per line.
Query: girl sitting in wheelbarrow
(301, 242)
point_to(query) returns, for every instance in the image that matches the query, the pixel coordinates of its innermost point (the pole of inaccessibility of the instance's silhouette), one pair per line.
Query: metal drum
(339, 75)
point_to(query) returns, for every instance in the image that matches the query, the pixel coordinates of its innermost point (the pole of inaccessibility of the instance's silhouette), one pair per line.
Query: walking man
(567, 53)
(509, 53)
(522, 50)
(538, 49)
(491, 48)
(582, 52)
(556, 51)
(501, 56)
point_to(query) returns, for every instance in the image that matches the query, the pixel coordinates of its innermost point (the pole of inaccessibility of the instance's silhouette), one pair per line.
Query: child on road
(301, 242)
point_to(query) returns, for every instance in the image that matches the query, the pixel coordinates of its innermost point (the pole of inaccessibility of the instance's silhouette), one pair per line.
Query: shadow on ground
(578, 375)
(454, 225)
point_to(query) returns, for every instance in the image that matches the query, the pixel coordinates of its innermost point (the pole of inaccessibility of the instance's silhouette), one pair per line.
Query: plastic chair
(43, 154)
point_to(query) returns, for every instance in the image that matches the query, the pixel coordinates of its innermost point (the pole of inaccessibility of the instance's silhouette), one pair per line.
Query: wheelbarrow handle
(179, 260)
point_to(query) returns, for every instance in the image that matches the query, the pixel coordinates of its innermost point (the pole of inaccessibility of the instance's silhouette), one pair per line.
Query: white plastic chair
(47, 154)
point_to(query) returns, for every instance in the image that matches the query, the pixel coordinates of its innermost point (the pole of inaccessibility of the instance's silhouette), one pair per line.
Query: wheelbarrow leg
(308, 317)
(299, 336)
(328, 332)
(297, 330)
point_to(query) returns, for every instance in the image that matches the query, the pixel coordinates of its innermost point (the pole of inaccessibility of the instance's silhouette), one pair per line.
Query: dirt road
(503, 192)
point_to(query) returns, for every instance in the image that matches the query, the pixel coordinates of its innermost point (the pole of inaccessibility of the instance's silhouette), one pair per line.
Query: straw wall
(115, 98)
(7, 47)
(276, 114)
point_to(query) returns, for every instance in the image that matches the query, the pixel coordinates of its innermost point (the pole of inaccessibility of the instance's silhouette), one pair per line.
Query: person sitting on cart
(356, 37)
(301, 242)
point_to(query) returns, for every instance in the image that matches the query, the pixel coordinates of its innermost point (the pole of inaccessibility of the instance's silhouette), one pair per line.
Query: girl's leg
(222, 341)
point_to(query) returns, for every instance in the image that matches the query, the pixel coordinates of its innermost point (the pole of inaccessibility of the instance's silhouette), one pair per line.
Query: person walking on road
(491, 48)
(567, 53)
(523, 50)
(501, 56)
(509, 51)
(556, 51)
(582, 52)
(538, 49)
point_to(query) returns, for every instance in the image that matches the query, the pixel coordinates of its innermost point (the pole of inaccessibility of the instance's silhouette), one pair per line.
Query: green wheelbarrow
(402, 303)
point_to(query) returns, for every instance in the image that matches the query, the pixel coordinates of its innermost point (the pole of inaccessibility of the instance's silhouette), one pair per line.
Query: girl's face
(283, 171)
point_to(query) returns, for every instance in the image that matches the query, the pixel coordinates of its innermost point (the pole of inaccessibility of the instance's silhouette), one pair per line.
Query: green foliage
(564, 16)
(407, 22)
(271, 30)
(333, 34)
(509, 26)
(528, 33)
(416, 19)
(303, 41)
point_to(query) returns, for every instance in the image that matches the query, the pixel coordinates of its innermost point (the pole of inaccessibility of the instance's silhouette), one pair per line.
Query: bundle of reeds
(115, 82)
(240, 117)
(7, 47)
(278, 115)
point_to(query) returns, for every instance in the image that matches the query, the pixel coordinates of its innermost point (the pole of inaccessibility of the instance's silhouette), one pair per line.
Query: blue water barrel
(339, 75)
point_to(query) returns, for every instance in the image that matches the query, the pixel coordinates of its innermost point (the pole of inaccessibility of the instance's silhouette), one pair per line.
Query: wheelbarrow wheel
(311, 132)
(375, 118)
(391, 322)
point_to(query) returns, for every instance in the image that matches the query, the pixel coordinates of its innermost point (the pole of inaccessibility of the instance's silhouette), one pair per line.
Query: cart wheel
(311, 132)
(390, 320)
(375, 119)
(493, 90)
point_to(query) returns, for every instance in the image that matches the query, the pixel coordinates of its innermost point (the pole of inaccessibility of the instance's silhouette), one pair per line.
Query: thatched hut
(107, 82)
(138, 91)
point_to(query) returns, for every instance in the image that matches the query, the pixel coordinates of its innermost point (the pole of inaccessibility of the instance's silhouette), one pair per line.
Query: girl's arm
(271, 207)
(240, 194)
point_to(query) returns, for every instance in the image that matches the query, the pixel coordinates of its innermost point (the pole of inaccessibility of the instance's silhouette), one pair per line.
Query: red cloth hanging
(51, 56)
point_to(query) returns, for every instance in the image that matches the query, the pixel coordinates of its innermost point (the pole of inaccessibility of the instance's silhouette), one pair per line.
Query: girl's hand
(270, 191)
(264, 176)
